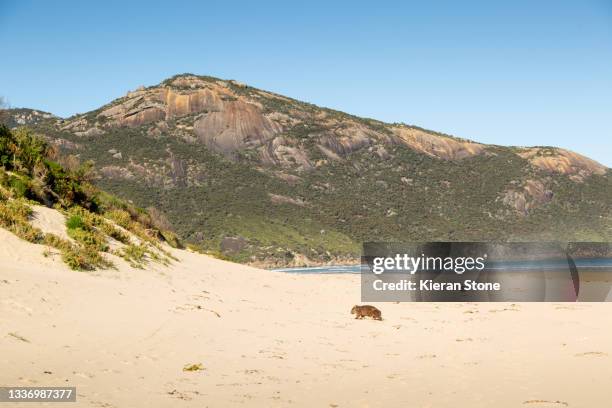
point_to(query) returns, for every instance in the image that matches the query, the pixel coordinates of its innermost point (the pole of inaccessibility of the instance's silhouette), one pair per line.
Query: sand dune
(269, 339)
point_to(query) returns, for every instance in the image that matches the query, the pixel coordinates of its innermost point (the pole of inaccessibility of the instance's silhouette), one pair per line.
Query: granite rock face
(232, 118)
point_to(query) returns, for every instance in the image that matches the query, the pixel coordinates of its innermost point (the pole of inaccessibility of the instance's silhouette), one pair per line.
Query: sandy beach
(270, 339)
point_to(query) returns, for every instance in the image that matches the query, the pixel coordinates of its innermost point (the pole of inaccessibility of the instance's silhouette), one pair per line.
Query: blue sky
(512, 73)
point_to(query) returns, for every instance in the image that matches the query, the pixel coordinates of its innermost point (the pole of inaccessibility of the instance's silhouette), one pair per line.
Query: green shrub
(76, 222)
(114, 233)
(19, 187)
(14, 215)
(77, 257)
(54, 241)
(89, 238)
(121, 217)
(134, 254)
(74, 260)
(4, 178)
(19, 209)
(83, 259)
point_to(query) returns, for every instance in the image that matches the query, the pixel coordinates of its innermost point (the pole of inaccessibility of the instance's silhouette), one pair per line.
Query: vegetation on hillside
(30, 173)
(407, 197)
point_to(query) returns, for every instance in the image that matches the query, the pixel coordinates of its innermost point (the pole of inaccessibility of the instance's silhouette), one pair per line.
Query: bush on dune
(75, 256)
(29, 158)
(29, 171)
(14, 216)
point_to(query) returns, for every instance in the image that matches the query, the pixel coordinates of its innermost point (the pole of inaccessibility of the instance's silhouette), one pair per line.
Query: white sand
(123, 337)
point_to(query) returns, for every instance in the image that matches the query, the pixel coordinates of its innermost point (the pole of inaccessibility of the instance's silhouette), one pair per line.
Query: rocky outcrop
(24, 117)
(144, 107)
(116, 172)
(555, 160)
(441, 147)
(182, 96)
(285, 152)
(346, 138)
(280, 199)
(203, 100)
(532, 194)
(65, 144)
(77, 124)
(94, 131)
(291, 179)
(226, 122)
(238, 125)
(142, 115)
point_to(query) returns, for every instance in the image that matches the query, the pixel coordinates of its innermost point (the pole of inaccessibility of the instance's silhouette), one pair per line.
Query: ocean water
(323, 269)
(603, 264)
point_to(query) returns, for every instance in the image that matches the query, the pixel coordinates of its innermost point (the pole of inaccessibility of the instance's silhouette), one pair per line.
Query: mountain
(262, 178)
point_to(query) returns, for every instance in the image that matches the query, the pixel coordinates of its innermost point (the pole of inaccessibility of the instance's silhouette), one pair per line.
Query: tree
(28, 150)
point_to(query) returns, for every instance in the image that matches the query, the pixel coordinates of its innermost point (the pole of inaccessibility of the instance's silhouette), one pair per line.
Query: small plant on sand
(115, 233)
(134, 254)
(194, 367)
(56, 242)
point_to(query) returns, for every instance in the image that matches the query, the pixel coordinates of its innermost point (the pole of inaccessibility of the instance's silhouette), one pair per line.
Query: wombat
(362, 311)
